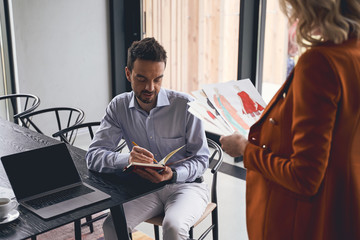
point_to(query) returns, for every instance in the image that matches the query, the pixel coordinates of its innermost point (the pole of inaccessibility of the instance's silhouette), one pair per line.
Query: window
(201, 39)
(280, 50)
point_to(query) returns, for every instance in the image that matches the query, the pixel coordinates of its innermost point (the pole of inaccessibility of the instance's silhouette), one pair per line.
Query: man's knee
(175, 230)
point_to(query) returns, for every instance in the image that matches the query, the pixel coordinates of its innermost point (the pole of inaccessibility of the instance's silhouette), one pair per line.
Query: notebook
(46, 181)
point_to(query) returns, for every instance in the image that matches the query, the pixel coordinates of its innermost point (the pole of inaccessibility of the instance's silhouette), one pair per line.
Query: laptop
(46, 181)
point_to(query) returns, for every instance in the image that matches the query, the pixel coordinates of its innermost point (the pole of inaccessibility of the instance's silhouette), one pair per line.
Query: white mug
(6, 205)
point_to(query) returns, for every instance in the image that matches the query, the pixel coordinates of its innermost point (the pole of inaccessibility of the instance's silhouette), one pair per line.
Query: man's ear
(128, 74)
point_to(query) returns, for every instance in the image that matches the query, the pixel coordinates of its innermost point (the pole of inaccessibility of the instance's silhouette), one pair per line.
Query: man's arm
(101, 156)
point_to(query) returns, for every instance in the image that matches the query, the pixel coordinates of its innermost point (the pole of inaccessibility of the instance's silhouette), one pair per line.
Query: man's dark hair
(145, 49)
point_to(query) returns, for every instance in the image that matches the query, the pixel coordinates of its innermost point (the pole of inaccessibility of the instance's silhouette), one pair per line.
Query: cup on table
(6, 206)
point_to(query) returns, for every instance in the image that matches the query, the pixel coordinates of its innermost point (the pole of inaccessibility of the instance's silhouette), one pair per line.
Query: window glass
(200, 37)
(280, 49)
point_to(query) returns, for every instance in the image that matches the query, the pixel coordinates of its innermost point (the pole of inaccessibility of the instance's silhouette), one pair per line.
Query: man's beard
(147, 100)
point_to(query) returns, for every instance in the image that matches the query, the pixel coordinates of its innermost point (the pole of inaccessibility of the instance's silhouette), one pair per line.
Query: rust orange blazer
(303, 160)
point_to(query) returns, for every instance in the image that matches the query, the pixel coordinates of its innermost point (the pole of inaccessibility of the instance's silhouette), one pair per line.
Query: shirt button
(272, 121)
(150, 137)
(148, 117)
(253, 138)
(284, 94)
(263, 146)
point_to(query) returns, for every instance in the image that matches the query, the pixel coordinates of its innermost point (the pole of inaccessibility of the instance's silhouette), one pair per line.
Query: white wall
(63, 54)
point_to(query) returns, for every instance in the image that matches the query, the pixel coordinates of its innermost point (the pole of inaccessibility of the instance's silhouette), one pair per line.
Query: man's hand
(234, 144)
(139, 154)
(154, 176)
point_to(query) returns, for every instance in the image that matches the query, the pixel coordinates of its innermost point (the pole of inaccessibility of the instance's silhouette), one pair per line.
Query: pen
(138, 145)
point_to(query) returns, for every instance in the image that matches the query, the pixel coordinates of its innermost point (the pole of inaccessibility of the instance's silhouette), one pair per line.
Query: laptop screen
(40, 170)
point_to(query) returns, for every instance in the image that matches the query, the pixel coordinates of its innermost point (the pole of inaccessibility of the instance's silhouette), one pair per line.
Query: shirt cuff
(181, 175)
(121, 161)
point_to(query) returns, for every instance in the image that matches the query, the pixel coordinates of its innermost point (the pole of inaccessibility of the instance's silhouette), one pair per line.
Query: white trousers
(182, 203)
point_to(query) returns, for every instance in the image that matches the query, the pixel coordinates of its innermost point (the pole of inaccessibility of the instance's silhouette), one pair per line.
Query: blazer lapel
(280, 94)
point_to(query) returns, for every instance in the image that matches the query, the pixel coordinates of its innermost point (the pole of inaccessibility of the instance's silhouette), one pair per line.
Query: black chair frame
(31, 103)
(65, 137)
(27, 121)
(66, 134)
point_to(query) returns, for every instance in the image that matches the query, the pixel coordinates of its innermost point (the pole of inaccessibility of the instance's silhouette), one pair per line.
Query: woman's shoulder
(349, 48)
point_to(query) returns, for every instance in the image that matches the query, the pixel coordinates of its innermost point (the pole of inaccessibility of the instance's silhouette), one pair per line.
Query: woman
(303, 155)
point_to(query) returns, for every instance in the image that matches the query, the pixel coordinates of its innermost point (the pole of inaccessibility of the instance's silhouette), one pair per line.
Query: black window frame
(125, 27)
(8, 61)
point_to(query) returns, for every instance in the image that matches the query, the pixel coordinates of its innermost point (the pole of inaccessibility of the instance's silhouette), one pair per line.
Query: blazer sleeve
(316, 92)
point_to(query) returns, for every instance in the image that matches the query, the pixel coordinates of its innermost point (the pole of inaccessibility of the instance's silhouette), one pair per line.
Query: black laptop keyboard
(58, 197)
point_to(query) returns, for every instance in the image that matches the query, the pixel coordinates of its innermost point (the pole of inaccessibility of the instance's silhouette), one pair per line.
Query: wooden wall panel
(200, 37)
(192, 62)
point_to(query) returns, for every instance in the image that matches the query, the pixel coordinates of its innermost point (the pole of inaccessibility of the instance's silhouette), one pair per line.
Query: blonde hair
(323, 20)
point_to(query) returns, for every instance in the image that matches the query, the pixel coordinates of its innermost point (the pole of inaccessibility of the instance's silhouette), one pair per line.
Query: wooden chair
(68, 135)
(50, 120)
(212, 207)
(20, 104)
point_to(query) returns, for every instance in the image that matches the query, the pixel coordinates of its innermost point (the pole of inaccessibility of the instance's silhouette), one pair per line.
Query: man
(156, 120)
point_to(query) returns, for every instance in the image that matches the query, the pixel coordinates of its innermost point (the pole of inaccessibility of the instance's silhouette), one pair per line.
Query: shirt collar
(162, 100)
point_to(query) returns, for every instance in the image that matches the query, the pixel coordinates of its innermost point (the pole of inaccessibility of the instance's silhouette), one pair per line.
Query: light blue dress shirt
(168, 126)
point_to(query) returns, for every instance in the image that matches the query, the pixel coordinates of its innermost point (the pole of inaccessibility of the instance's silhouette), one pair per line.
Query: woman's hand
(234, 144)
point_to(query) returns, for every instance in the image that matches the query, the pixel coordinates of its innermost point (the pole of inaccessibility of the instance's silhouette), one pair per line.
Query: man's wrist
(174, 176)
